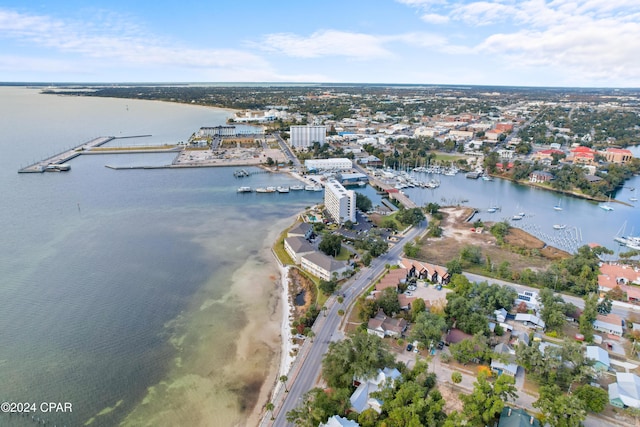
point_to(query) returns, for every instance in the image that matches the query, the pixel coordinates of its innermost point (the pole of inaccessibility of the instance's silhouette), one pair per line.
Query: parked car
(440, 345)
(409, 347)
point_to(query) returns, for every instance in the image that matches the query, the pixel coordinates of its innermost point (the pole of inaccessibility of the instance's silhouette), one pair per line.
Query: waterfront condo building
(335, 164)
(339, 202)
(302, 137)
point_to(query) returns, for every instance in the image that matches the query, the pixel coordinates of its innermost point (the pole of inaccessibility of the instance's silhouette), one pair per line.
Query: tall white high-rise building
(304, 136)
(339, 202)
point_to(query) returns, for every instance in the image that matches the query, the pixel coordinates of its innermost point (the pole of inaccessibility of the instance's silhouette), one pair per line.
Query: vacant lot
(457, 233)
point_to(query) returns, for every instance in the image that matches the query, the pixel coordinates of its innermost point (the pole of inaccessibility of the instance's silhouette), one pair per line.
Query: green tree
(558, 409)
(331, 244)
(604, 306)
(366, 259)
(456, 377)
(411, 250)
(283, 380)
(363, 202)
(269, 408)
(428, 328)
(483, 405)
(589, 314)
(595, 399)
(328, 286)
(388, 301)
(454, 267)
(552, 311)
(360, 355)
(417, 306)
(471, 254)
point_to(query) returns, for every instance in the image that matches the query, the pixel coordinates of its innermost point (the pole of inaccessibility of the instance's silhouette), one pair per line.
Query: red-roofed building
(617, 155)
(616, 275)
(423, 270)
(504, 127)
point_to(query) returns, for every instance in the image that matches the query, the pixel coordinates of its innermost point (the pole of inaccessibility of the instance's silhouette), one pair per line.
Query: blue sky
(588, 43)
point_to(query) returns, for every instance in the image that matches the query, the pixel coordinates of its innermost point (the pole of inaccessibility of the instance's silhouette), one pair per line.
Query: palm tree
(311, 334)
(283, 380)
(269, 407)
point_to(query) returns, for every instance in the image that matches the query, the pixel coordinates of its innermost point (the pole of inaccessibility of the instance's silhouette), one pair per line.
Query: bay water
(141, 297)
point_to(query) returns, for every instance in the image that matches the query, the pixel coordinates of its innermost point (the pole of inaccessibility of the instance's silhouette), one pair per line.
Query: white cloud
(112, 41)
(326, 43)
(434, 18)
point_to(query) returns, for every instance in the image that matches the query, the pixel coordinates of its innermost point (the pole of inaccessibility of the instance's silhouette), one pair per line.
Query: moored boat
(296, 187)
(281, 189)
(559, 226)
(244, 190)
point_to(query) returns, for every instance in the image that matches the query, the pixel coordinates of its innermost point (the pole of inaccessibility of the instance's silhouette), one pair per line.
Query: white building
(339, 164)
(303, 137)
(339, 202)
(322, 266)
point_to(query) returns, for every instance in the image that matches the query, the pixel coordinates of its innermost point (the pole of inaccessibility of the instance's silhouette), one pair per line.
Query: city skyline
(591, 43)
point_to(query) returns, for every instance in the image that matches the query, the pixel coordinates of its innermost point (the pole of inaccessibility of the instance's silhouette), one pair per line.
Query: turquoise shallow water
(97, 264)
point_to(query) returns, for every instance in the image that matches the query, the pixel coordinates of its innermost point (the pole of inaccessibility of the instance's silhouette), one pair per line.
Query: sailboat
(606, 206)
(633, 197)
(558, 206)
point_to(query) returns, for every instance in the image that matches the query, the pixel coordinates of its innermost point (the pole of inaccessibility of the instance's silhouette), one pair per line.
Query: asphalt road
(306, 371)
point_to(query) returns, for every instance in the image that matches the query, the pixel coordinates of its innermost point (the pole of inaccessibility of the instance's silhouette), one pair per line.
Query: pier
(65, 156)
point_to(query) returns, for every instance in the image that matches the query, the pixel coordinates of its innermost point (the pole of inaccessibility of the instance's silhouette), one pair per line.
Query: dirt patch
(522, 251)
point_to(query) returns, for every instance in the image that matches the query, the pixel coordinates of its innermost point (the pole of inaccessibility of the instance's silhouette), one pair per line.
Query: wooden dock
(65, 156)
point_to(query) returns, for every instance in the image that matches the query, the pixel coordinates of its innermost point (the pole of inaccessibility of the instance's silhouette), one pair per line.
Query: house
(361, 400)
(405, 301)
(507, 367)
(500, 315)
(385, 326)
(599, 356)
(322, 266)
(520, 337)
(424, 270)
(530, 298)
(296, 247)
(610, 324)
(455, 336)
(625, 392)
(620, 275)
(540, 176)
(515, 417)
(301, 229)
(392, 279)
(338, 421)
(530, 320)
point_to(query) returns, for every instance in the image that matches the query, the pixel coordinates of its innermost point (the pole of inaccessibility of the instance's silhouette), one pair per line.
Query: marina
(58, 161)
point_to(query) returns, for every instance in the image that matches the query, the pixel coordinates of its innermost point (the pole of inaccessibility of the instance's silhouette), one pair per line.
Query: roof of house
(582, 149)
(338, 421)
(324, 261)
(422, 266)
(510, 368)
(299, 244)
(514, 417)
(598, 354)
(620, 151)
(626, 388)
(405, 300)
(360, 398)
(525, 317)
(300, 229)
(385, 323)
(456, 335)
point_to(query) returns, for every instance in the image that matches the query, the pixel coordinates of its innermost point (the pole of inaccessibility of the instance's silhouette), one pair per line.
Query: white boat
(486, 178)
(606, 206)
(270, 190)
(492, 209)
(244, 190)
(261, 190)
(296, 187)
(633, 199)
(559, 226)
(558, 207)
(281, 189)
(313, 188)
